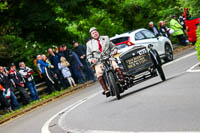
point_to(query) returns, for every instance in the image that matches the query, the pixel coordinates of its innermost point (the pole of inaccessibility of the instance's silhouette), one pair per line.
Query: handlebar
(103, 56)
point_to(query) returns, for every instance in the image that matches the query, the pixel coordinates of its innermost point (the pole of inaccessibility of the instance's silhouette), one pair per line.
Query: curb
(36, 105)
(180, 49)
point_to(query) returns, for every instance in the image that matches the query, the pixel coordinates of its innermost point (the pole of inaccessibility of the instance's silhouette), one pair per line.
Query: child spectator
(63, 66)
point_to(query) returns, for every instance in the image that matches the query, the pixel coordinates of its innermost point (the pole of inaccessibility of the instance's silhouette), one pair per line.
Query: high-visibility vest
(176, 27)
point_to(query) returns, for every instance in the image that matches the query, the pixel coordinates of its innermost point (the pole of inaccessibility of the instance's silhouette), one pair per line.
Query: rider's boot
(120, 75)
(103, 84)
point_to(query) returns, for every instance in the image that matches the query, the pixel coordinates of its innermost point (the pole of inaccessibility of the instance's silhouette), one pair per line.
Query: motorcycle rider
(99, 44)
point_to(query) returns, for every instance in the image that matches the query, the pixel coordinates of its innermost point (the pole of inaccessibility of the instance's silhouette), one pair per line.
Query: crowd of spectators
(176, 28)
(62, 68)
(13, 79)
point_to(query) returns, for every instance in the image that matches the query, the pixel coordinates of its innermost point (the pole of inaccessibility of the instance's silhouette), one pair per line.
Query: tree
(52, 22)
(3, 5)
(193, 6)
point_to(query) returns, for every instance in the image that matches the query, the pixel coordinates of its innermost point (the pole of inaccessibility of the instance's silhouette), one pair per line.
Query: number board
(136, 61)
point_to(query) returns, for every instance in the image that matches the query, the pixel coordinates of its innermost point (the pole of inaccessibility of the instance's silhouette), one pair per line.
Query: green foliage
(3, 5)
(30, 27)
(197, 44)
(193, 6)
(19, 50)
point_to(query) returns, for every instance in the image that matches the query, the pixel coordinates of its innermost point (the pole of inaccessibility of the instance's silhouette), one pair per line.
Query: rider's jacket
(93, 47)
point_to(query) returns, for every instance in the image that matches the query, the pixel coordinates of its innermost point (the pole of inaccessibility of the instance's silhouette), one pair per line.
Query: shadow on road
(146, 87)
(141, 89)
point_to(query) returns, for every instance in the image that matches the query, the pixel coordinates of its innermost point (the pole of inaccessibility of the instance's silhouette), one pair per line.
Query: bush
(197, 44)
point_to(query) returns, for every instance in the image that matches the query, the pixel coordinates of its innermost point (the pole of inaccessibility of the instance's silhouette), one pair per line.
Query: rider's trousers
(99, 67)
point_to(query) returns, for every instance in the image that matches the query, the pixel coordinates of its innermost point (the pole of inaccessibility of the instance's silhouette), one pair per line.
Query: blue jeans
(14, 102)
(13, 98)
(33, 91)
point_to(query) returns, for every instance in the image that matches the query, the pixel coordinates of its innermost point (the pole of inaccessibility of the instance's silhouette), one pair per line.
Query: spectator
(49, 71)
(26, 73)
(153, 28)
(181, 20)
(178, 32)
(75, 64)
(80, 50)
(50, 76)
(42, 65)
(54, 60)
(7, 84)
(61, 51)
(163, 29)
(4, 102)
(19, 84)
(65, 71)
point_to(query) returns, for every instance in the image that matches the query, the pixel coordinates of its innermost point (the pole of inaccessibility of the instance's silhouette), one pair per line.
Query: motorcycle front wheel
(114, 85)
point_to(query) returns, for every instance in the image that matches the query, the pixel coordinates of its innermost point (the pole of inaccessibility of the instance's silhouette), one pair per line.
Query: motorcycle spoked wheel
(115, 87)
(161, 73)
(158, 64)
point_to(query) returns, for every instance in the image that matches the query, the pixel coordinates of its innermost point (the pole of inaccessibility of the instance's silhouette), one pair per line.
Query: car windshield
(119, 40)
(122, 46)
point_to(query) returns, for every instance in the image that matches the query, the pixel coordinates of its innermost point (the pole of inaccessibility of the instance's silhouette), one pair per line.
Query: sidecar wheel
(161, 73)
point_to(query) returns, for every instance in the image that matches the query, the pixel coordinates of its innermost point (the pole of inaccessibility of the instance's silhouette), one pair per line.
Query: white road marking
(186, 56)
(191, 68)
(65, 111)
(138, 132)
(45, 128)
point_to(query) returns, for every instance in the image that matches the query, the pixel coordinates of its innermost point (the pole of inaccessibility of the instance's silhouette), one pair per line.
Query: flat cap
(151, 22)
(12, 64)
(91, 29)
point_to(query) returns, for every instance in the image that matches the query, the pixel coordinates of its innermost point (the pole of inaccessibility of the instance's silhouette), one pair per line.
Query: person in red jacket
(18, 83)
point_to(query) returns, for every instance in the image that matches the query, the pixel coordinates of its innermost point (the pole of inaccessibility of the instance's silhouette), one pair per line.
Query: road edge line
(45, 127)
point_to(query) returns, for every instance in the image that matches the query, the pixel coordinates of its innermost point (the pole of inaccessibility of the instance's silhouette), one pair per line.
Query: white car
(144, 37)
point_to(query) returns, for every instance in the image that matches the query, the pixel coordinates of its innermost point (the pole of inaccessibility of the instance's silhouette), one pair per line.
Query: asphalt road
(150, 106)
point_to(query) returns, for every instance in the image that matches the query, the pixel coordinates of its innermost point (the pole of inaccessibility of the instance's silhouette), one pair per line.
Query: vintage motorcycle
(138, 64)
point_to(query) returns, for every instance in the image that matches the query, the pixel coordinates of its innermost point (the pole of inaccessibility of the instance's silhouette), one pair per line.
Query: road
(151, 106)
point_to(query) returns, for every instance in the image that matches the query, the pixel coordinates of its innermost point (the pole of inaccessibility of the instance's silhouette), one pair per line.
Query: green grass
(39, 102)
(52, 95)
